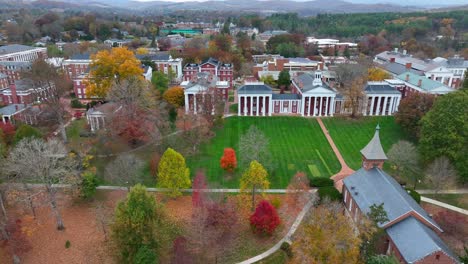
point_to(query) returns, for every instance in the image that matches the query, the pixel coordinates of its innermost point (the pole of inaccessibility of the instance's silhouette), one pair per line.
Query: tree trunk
(253, 197)
(2, 205)
(63, 132)
(53, 207)
(30, 201)
(4, 232)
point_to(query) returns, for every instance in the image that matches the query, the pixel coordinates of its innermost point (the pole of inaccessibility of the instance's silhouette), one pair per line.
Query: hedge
(321, 182)
(329, 191)
(416, 196)
(233, 108)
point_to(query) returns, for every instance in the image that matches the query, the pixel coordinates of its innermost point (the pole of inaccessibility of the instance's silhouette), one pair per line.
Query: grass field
(350, 136)
(295, 143)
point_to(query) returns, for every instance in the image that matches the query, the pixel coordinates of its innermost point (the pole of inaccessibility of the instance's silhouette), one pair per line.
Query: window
(437, 257)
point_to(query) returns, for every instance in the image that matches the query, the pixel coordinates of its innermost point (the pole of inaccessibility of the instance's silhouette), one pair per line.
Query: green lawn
(350, 135)
(296, 144)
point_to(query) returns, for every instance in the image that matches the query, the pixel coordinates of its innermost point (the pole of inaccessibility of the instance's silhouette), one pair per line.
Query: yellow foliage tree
(142, 51)
(256, 177)
(173, 173)
(175, 96)
(327, 236)
(111, 66)
(376, 74)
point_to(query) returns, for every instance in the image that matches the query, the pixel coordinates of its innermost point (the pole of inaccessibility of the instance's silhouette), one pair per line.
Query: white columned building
(381, 91)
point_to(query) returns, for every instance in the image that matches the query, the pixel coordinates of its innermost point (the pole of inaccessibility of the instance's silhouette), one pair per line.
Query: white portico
(255, 99)
(381, 99)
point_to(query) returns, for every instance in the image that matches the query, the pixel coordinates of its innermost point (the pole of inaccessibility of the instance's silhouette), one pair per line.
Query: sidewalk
(444, 205)
(345, 169)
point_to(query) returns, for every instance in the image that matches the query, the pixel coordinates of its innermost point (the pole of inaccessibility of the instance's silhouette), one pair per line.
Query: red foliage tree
(181, 254)
(265, 219)
(228, 160)
(8, 132)
(199, 198)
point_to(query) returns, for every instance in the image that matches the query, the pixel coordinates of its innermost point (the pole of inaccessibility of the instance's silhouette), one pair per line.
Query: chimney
(408, 65)
(407, 77)
(404, 52)
(396, 50)
(392, 60)
(419, 82)
(14, 95)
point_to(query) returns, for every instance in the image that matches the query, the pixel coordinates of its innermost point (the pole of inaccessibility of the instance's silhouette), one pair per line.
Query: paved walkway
(345, 169)
(453, 191)
(286, 238)
(444, 205)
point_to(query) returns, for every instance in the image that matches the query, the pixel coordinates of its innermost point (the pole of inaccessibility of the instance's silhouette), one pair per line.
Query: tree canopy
(173, 172)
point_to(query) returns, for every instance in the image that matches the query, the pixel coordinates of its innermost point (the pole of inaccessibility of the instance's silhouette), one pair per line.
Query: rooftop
(7, 49)
(254, 88)
(11, 109)
(374, 186)
(380, 88)
(415, 241)
(374, 150)
(426, 84)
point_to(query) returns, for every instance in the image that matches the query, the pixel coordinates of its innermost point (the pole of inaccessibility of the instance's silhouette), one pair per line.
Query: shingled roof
(374, 150)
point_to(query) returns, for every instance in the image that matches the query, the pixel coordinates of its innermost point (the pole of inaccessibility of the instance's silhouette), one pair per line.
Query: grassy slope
(350, 136)
(294, 142)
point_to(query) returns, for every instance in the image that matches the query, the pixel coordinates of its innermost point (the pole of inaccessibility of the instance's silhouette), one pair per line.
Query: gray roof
(14, 48)
(160, 56)
(380, 88)
(307, 81)
(415, 241)
(24, 84)
(374, 186)
(17, 64)
(211, 61)
(11, 109)
(398, 69)
(286, 97)
(254, 89)
(457, 62)
(374, 150)
(81, 56)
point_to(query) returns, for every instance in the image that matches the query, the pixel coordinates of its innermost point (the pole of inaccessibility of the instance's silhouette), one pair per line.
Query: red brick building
(22, 92)
(13, 69)
(222, 71)
(411, 234)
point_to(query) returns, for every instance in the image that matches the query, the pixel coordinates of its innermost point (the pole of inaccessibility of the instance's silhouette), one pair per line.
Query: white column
(194, 103)
(302, 105)
(397, 104)
(371, 108)
(270, 105)
(332, 106)
(384, 105)
(186, 103)
(264, 106)
(377, 109)
(326, 105)
(257, 100)
(392, 100)
(239, 106)
(251, 105)
(320, 109)
(245, 106)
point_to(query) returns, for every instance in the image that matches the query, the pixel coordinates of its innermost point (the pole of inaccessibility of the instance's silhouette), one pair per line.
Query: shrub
(231, 98)
(75, 103)
(321, 182)
(329, 192)
(67, 244)
(88, 185)
(233, 109)
(175, 96)
(265, 218)
(286, 247)
(26, 131)
(416, 196)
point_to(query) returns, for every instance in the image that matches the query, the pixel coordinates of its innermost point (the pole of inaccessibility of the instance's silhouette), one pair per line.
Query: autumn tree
(139, 222)
(50, 87)
(253, 145)
(173, 172)
(175, 96)
(326, 236)
(411, 110)
(8, 132)
(265, 219)
(139, 116)
(404, 158)
(108, 67)
(443, 131)
(352, 79)
(229, 161)
(196, 129)
(125, 170)
(441, 174)
(254, 178)
(26, 131)
(377, 74)
(46, 162)
(199, 197)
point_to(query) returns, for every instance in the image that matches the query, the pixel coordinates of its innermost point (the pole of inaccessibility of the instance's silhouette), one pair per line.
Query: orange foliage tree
(228, 160)
(175, 96)
(111, 66)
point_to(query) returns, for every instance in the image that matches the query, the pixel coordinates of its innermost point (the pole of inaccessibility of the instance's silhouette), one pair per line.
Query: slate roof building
(411, 234)
(223, 71)
(17, 52)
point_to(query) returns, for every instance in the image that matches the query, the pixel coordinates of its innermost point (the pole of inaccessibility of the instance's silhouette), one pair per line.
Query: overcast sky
(398, 2)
